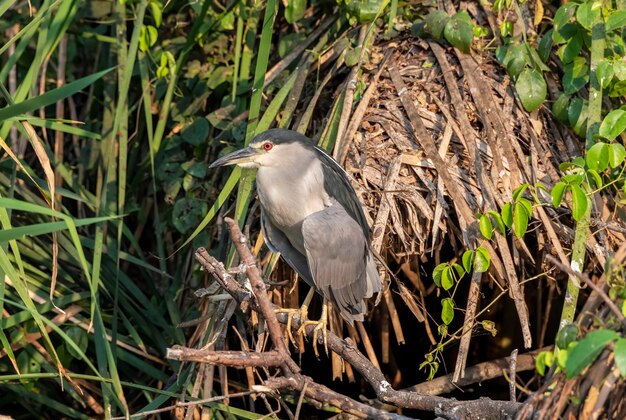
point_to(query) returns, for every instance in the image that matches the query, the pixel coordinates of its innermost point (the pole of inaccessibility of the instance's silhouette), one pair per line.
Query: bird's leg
(320, 325)
(302, 312)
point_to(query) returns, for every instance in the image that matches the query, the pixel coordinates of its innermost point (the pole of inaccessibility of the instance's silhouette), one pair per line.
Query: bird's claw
(320, 325)
(302, 313)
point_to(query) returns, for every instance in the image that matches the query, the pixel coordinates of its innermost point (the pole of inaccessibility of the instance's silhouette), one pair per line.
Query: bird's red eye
(268, 146)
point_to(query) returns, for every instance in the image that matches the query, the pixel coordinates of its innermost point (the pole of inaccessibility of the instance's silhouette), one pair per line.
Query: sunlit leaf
(587, 350)
(613, 124)
(531, 88)
(588, 13)
(579, 202)
(447, 311)
(482, 261)
(557, 193)
(467, 259)
(447, 278)
(486, 228)
(598, 156)
(458, 32)
(617, 153)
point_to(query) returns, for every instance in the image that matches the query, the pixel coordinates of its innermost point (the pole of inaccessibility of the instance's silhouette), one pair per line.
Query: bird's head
(276, 147)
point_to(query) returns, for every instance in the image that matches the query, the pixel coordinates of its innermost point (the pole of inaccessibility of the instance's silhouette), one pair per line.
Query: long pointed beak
(236, 158)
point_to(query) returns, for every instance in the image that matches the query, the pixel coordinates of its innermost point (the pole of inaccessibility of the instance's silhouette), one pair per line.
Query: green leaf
(563, 16)
(437, 273)
(617, 153)
(497, 218)
(507, 215)
(295, 10)
(620, 355)
(579, 202)
(544, 360)
(566, 335)
(619, 68)
(197, 132)
(570, 50)
(596, 177)
(460, 272)
(604, 72)
(574, 178)
(557, 193)
(482, 260)
(587, 350)
(486, 228)
(506, 28)
(447, 278)
(577, 114)
(148, 36)
(435, 23)
(534, 60)
(157, 12)
(467, 258)
(618, 89)
(598, 156)
(50, 97)
(616, 20)
(613, 124)
(560, 107)
(531, 88)
(566, 32)
(520, 219)
(517, 192)
(545, 46)
(588, 13)
(459, 32)
(447, 311)
(187, 213)
(575, 75)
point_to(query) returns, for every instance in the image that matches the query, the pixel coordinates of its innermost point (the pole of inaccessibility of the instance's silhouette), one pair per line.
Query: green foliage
(458, 29)
(587, 350)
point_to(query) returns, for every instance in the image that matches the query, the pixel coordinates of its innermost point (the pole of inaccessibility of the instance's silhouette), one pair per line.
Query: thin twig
(611, 305)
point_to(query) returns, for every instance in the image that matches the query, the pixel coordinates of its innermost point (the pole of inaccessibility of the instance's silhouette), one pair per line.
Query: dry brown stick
(230, 358)
(477, 373)
(350, 88)
(512, 374)
(466, 336)
(361, 108)
(260, 292)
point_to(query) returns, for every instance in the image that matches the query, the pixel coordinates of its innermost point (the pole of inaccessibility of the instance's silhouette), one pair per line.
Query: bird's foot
(302, 312)
(321, 325)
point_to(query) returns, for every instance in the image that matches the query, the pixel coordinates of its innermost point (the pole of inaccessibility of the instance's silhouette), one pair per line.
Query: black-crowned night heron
(312, 216)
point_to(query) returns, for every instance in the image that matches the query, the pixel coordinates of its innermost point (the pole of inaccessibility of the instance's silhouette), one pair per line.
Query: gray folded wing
(337, 255)
(277, 241)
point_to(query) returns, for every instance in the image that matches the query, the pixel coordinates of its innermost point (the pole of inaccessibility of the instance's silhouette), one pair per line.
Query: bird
(311, 215)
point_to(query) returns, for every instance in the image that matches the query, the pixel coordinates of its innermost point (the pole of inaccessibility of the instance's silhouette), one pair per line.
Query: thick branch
(319, 392)
(477, 373)
(236, 359)
(258, 286)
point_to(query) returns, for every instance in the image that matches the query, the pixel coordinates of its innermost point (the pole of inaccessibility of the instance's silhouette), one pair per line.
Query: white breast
(289, 196)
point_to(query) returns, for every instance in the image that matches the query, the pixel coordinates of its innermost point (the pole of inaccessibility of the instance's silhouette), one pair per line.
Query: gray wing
(337, 255)
(277, 242)
(338, 186)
